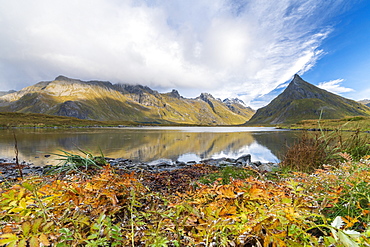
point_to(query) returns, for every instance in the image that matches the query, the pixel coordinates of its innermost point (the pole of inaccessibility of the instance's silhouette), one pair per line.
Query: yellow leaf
(36, 225)
(8, 238)
(22, 243)
(34, 242)
(26, 227)
(256, 193)
(226, 192)
(44, 239)
(228, 211)
(22, 203)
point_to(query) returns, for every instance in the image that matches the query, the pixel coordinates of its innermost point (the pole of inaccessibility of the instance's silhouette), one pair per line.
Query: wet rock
(180, 163)
(161, 163)
(191, 162)
(256, 163)
(225, 163)
(213, 162)
(231, 160)
(244, 160)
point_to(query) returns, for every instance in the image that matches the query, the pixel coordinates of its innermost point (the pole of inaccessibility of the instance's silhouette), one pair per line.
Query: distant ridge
(2, 93)
(365, 102)
(102, 100)
(302, 100)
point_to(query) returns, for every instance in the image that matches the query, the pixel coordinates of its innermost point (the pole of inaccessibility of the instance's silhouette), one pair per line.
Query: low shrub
(317, 148)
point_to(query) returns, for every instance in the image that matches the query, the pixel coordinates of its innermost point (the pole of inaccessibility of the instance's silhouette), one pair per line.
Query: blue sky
(230, 48)
(347, 55)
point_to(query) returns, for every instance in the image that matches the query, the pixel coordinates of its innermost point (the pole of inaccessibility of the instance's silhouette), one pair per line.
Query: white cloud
(225, 47)
(334, 86)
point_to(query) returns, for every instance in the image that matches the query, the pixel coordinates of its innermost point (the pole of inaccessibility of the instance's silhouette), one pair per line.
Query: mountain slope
(100, 100)
(302, 100)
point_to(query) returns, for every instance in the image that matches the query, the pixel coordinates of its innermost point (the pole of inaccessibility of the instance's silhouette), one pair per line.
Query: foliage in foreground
(328, 206)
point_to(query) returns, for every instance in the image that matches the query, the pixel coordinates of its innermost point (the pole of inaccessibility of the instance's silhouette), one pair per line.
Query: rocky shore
(9, 170)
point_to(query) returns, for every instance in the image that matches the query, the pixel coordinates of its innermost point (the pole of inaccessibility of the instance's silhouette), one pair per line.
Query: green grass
(360, 123)
(15, 119)
(228, 173)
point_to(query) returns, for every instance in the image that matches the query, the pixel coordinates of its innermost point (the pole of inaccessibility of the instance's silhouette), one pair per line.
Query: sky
(248, 49)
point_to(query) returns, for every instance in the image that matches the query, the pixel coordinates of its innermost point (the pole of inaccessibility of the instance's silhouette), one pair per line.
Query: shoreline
(10, 171)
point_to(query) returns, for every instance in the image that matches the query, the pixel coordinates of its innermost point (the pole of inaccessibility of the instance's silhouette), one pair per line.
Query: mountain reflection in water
(148, 143)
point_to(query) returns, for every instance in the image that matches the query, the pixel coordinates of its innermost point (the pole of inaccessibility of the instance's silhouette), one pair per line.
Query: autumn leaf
(44, 239)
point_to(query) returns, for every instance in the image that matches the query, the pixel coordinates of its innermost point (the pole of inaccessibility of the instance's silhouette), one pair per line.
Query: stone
(161, 163)
(213, 162)
(180, 163)
(244, 160)
(265, 168)
(225, 163)
(257, 163)
(191, 162)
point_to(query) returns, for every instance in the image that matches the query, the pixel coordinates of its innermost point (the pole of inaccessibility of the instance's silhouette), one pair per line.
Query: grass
(15, 119)
(360, 123)
(226, 174)
(84, 164)
(315, 149)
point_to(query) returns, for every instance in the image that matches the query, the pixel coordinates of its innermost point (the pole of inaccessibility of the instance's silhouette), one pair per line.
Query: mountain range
(302, 100)
(101, 100)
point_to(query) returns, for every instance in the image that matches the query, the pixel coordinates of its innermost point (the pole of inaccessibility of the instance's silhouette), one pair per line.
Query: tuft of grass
(315, 149)
(307, 154)
(73, 163)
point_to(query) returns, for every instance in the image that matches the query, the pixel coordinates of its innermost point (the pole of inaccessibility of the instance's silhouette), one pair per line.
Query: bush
(308, 153)
(315, 149)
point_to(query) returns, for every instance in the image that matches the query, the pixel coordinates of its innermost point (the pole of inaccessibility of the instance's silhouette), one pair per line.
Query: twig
(19, 167)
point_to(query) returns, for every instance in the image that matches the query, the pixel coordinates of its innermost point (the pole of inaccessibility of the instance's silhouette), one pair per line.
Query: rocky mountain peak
(228, 101)
(175, 94)
(135, 89)
(62, 78)
(206, 97)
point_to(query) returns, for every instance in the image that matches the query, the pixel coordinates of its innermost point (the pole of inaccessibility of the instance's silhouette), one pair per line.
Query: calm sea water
(147, 144)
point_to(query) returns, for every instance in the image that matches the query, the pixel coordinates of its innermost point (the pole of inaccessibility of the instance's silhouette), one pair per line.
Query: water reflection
(148, 144)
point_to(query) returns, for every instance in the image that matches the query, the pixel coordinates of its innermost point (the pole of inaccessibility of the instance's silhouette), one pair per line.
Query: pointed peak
(230, 101)
(206, 96)
(174, 93)
(297, 81)
(62, 78)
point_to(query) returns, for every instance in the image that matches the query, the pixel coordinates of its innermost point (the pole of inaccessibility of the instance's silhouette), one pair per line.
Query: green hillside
(302, 100)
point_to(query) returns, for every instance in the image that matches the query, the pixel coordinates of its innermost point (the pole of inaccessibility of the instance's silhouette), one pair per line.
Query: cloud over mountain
(225, 47)
(334, 86)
